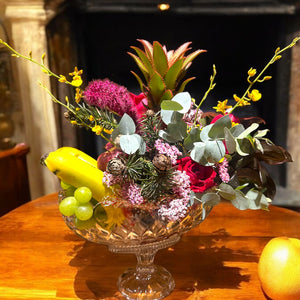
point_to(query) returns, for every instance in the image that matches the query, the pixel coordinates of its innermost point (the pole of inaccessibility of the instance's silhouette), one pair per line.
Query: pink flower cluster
(223, 170)
(109, 179)
(175, 210)
(182, 185)
(132, 193)
(165, 148)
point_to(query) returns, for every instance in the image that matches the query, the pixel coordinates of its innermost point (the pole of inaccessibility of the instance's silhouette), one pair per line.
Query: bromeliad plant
(162, 150)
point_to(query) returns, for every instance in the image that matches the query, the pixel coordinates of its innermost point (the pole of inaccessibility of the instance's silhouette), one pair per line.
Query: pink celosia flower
(106, 94)
(165, 148)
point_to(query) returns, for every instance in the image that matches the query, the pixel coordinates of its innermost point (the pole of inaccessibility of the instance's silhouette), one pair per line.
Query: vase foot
(154, 285)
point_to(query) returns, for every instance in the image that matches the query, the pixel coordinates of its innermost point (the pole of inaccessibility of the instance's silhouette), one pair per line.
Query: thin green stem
(210, 88)
(275, 57)
(29, 58)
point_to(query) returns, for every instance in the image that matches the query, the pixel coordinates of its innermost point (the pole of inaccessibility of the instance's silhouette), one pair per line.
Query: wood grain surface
(42, 259)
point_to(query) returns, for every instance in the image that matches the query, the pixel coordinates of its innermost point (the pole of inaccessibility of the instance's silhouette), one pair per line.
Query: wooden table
(42, 259)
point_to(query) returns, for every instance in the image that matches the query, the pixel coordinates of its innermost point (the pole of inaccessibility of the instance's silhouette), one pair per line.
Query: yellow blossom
(252, 72)
(67, 99)
(77, 81)
(91, 118)
(97, 129)
(73, 122)
(62, 78)
(77, 108)
(255, 95)
(78, 95)
(109, 131)
(76, 72)
(115, 216)
(222, 106)
(240, 101)
(267, 77)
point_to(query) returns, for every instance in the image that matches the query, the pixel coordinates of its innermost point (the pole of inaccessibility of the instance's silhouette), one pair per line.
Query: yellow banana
(80, 154)
(69, 167)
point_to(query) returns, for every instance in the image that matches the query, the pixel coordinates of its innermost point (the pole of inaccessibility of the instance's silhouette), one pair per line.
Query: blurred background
(96, 35)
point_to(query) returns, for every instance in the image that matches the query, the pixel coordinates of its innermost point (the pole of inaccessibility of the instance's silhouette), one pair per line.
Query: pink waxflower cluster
(109, 179)
(182, 185)
(106, 94)
(132, 193)
(223, 170)
(175, 210)
(165, 148)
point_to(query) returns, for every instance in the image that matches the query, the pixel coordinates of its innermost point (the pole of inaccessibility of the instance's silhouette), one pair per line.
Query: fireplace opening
(234, 44)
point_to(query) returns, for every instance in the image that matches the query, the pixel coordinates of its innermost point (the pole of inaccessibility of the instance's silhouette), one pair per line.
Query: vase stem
(145, 262)
(146, 281)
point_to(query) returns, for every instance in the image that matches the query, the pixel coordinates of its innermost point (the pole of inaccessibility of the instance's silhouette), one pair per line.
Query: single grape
(64, 185)
(83, 194)
(84, 211)
(68, 206)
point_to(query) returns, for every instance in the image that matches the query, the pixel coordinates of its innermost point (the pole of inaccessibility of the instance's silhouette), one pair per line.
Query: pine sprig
(150, 126)
(157, 186)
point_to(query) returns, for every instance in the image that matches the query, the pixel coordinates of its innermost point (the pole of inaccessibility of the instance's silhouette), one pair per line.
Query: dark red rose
(202, 177)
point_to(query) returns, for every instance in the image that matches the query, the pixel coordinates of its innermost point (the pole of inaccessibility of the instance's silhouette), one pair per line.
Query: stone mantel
(26, 21)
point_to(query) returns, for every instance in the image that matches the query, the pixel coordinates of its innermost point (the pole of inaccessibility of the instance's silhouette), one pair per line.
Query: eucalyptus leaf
(248, 130)
(257, 200)
(185, 100)
(261, 133)
(258, 145)
(237, 130)
(171, 105)
(129, 143)
(244, 147)
(193, 136)
(214, 151)
(177, 130)
(217, 130)
(210, 199)
(204, 133)
(240, 201)
(197, 153)
(230, 141)
(126, 125)
(227, 192)
(169, 116)
(142, 147)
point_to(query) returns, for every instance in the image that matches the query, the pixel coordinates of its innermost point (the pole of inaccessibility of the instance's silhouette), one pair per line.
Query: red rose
(202, 177)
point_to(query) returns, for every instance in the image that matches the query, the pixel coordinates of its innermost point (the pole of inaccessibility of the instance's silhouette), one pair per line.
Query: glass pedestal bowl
(140, 231)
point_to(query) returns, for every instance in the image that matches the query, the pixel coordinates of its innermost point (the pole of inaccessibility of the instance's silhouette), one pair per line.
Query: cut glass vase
(140, 231)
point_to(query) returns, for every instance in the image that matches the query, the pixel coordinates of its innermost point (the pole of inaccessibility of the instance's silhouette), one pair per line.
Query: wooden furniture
(42, 259)
(14, 185)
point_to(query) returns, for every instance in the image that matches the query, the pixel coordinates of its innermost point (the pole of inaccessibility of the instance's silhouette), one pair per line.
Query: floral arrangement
(162, 150)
